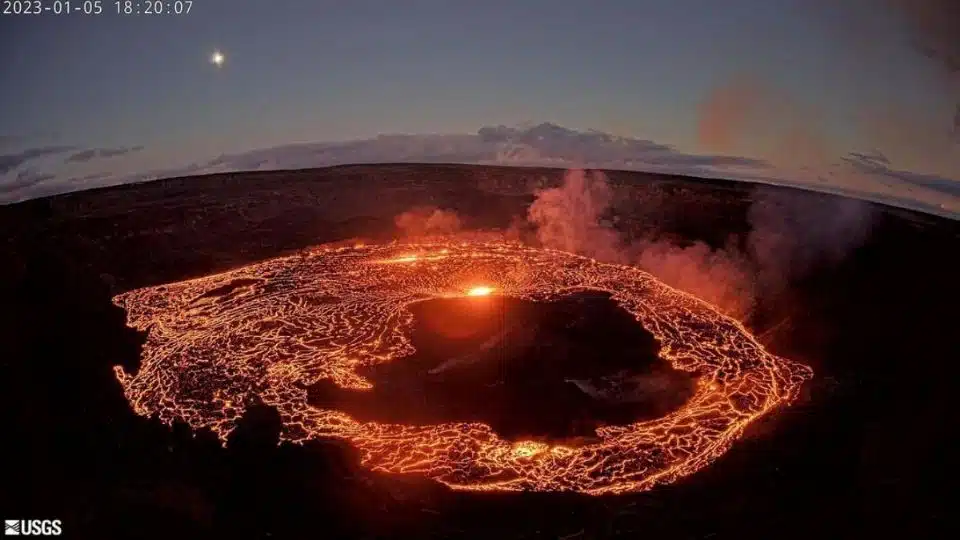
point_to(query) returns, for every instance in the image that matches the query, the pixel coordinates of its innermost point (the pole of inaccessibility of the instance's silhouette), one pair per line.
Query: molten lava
(267, 331)
(480, 291)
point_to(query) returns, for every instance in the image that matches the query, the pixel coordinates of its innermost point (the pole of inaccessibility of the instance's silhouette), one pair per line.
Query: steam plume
(427, 220)
(569, 217)
(790, 234)
(723, 277)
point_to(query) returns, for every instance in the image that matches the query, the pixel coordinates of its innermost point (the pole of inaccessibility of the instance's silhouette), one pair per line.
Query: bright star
(217, 58)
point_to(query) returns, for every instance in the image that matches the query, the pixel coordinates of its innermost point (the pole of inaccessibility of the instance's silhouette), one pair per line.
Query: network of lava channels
(218, 343)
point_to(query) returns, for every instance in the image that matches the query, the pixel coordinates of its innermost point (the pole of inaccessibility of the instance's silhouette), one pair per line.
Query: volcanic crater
(532, 370)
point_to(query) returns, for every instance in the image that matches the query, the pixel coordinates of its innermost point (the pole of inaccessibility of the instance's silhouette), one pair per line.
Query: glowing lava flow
(269, 330)
(480, 291)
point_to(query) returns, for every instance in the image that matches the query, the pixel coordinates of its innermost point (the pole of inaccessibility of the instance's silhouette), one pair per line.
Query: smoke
(728, 111)
(869, 33)
(723, 277)
(790, 234)
(744, 113)
(750, 114)
(427, 221)
(570, 217)
(934, 27)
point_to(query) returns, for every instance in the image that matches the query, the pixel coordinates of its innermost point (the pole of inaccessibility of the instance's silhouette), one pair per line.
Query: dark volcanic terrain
(864, 451)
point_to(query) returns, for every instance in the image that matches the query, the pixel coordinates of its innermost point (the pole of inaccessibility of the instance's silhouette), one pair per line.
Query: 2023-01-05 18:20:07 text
(96, 7)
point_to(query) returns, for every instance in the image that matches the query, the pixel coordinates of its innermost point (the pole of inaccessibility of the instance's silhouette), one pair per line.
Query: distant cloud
(96, 153)
(25, 180)
(695, 160)
(875, 157)
(545, 144)
(10, 162)
(867, 163)
(559, 139)
(94, 176)
(385, 148)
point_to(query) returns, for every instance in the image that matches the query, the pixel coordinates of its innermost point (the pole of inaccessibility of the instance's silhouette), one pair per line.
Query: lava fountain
(217, 344)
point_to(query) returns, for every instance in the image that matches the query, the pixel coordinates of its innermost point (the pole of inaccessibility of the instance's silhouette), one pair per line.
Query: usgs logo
(31, 527)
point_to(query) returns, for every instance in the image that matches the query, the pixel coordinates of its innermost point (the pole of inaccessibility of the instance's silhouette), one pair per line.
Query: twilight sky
(853, 94)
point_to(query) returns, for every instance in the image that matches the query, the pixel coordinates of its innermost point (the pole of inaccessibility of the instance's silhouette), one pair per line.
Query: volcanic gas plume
(265, 332)
(790, 235)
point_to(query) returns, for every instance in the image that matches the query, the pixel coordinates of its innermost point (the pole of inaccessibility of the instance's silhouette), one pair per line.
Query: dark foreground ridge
(864, 451)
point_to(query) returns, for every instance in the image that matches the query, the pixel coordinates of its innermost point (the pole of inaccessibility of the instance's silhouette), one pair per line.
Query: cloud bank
(725, 119)
(25, 180)
(99, 153)
(10, 162)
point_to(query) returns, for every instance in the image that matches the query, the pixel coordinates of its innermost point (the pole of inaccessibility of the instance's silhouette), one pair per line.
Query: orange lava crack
(268, 330)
